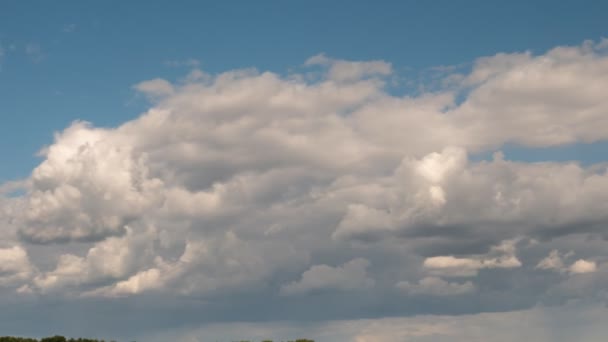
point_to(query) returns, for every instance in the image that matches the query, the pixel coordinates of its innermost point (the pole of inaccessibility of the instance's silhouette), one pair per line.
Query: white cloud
(501, 256)
(511, 197)
(147, 280)
(538, 100)
(112, 259)
(453, 266)
(15, 266)
(583, 266)
(554, 261)
(89, 187)
(206, 267)
(155, 88)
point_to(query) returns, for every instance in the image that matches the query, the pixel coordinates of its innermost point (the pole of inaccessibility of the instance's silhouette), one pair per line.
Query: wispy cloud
(34, 52)
(189, 63)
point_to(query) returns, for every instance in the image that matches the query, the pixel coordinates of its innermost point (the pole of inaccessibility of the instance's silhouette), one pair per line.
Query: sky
(345, 171)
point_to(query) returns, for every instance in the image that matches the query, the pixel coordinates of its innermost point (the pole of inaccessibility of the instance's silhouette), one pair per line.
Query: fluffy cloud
(583, 266)
(554, 261)
(538, 100)
(443, 193)
(111, 259)
(15, 266)
(142, 281)
(89, 187)
(205, 267)
(251, 183)
(450, 265)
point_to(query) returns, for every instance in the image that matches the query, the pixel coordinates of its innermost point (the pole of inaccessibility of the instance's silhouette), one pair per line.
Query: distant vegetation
(64, 339)
(48, 339)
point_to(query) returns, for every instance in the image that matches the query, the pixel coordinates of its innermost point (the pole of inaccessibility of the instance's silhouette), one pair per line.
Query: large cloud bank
(326, 184)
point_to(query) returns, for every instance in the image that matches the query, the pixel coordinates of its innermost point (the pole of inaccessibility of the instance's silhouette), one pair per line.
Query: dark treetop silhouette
(58, 338)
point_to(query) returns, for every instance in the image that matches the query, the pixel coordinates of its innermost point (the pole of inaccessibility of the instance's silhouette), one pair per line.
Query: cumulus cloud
(536, 100)
(111, 259)
(437, 195)
(205, 267)
(583, 266)
(450, 265)
(15, 266)
(555, 262)
(89, 187)
(362, 221)
(232, 182)
(142, 281)
(501, 256)
(350, 276)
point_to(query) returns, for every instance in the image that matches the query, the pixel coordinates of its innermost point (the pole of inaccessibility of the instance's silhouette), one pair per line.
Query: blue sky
(395, 170)
(85, 57)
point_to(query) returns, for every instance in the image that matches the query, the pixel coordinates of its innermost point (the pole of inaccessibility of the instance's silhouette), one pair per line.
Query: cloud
(155, 88)
(362, 221)
(539, 199)
(537, 324)
(543, 96)
(142, 281)
(554, 261)
(15, 266)
(88, 188)
(112, 259)
(350, 276)
(249, 187)
(190, 62)
(501, 256)
(435, 286)
(69, 28)
(34, 52)
(583, 266)
(450, 265)
(344, 71)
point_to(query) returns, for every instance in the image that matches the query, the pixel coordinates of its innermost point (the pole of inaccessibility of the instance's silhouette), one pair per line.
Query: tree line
(58, 338)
